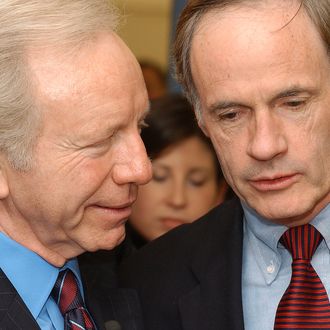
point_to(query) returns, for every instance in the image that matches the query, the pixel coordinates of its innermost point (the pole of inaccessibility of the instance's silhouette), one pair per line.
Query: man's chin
(284, 214)
(111, 240)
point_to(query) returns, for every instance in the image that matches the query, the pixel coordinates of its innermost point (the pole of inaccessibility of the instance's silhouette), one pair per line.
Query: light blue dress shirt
(266, 269)
(34, 278)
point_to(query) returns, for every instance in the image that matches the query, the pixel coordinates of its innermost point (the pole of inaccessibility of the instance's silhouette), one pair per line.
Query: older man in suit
(258, 74)
(72, 101)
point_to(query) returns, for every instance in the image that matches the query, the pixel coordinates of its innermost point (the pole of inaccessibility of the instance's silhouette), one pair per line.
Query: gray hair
(317, 10)
(33, 23)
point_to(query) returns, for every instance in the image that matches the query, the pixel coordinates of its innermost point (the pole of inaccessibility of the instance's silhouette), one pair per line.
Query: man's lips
(273, 183)
(118, 206)
(119, 212)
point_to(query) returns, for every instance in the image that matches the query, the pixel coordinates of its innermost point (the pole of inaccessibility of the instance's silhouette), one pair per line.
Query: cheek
(314, 155)
(145, 206)
(231, 164)
(143, 218)
(318, 137)
(141, 211)
(229, 149)
(93, 171)
(202, 200)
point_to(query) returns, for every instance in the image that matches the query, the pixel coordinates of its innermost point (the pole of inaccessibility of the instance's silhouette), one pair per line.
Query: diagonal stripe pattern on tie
(67, 295)
(305, 303)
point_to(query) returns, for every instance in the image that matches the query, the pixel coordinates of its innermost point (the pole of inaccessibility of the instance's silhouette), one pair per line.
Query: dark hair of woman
(170, 121)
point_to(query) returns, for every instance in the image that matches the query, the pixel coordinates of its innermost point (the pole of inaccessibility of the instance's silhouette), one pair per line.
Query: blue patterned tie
(67, 295)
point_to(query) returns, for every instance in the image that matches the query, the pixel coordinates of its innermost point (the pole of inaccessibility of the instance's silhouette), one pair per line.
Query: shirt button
(270, 269)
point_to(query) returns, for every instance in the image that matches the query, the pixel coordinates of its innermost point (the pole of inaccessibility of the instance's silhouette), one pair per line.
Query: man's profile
(72, 102)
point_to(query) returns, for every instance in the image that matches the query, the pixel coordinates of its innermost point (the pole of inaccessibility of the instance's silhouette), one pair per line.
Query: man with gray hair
(72, 103)
(258, 75)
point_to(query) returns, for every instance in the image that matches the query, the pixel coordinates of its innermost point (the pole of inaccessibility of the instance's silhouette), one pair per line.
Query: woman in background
(187, 180)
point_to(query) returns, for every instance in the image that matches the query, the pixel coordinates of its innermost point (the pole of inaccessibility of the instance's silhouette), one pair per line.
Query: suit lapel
(14, 313)
(216, 303)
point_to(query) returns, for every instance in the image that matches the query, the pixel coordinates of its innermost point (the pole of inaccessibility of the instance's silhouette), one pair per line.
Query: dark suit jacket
(112, 308)
(108, 303)
(191, 277)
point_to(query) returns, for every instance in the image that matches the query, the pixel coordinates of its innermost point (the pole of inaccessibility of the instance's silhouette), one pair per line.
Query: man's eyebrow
(223, 105)
(292, 91)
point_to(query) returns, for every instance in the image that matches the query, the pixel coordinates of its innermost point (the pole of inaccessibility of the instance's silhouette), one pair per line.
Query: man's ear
(4, 187)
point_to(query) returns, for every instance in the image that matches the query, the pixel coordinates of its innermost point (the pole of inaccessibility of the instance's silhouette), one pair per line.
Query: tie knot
(301, 241)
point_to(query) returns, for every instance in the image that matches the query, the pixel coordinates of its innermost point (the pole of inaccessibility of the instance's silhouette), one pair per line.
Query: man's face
(264, 86)
(89, 158)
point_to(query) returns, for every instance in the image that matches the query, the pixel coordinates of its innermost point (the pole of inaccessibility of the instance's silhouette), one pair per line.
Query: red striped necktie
(305, 304)
(67, 295)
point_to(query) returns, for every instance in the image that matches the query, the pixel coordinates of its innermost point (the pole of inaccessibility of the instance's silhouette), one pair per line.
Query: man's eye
(101, 143)
(228, 116)
(231, 115)
(295, 103)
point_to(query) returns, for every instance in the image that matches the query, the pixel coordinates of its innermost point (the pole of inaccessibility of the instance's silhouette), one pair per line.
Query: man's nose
(134, 165)
(266, 137)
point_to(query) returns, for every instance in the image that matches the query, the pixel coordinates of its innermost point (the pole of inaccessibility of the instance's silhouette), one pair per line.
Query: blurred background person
(155, 79)
(187, 180)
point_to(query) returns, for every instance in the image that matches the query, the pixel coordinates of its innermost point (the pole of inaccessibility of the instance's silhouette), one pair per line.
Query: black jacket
(190, 278)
